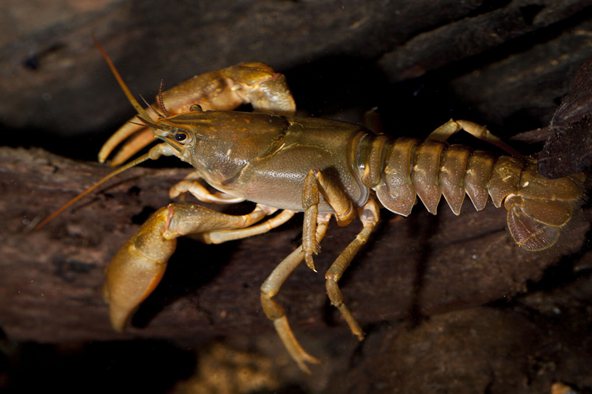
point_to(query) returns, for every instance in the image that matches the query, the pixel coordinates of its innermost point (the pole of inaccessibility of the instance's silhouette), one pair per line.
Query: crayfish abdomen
(538, 208)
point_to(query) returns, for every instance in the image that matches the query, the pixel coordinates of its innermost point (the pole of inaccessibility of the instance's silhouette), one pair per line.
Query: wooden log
(50, 289)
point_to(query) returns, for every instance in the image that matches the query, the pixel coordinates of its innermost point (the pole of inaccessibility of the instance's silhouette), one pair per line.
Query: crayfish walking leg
(315, 226)
(369, 215)
(316, 184)
(275, 312)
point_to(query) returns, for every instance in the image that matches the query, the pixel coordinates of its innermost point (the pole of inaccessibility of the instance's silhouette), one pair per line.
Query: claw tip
(309, 261)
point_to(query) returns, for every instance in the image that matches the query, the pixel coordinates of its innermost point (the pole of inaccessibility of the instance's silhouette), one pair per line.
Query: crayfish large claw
(137, 268)
(222, 90)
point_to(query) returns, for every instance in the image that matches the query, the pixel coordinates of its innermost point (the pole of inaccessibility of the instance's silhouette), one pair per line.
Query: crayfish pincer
(321, 167)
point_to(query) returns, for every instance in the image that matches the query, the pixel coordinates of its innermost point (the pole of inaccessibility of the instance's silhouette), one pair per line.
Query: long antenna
(141, 112)
(143, 117)
(118, 171)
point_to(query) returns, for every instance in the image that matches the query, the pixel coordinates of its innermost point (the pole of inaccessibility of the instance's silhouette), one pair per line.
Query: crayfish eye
(180, 136)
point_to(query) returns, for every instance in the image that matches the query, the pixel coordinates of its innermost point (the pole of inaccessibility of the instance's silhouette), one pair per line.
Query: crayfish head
(219, 144)
(179, 139)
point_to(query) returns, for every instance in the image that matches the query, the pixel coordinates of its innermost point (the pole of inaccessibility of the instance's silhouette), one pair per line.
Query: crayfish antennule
(161, 101)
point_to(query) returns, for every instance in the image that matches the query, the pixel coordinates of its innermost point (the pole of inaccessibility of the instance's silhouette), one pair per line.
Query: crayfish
(321, 167)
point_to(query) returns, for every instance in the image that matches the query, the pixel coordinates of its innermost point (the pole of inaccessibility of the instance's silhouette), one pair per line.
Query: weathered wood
(50, 287)
(504, 64)
(569, 149)
(343, 53)
(477, 350)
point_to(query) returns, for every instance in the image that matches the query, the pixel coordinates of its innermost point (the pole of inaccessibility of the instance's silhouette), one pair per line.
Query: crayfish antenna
(118, 171)
(153, 154)
(141, 112)
(160, 116)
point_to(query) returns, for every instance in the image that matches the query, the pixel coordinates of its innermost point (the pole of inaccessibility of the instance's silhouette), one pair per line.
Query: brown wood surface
(417, 286)
(51, 278)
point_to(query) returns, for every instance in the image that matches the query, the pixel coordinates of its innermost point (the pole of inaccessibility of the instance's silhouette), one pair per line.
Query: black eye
(180, 136)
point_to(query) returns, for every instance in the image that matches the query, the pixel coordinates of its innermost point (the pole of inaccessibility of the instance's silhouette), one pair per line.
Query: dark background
(449, 304)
